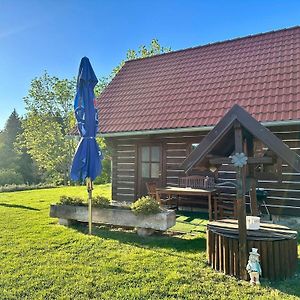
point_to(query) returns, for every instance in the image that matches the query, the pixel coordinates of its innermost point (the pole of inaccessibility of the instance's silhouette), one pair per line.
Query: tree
(8, 156)
(50, 119)
(12, 128)
(47, 124)
(144, 51)
(15, 166)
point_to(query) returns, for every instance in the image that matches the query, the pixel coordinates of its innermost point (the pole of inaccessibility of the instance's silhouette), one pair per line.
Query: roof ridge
(217, 42)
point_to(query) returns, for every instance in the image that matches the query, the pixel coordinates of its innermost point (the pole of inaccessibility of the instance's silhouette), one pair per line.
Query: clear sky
(54, 35)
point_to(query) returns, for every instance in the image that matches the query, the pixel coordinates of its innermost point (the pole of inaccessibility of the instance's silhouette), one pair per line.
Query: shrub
(66, 200)
(8, 176)
(145, 206)
(100, 201)
(106, 172)
(25, 187)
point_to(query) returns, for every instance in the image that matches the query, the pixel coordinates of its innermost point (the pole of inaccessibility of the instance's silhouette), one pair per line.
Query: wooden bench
(197, 182)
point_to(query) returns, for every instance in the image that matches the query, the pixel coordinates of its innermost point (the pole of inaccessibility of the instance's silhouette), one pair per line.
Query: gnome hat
(254, 252)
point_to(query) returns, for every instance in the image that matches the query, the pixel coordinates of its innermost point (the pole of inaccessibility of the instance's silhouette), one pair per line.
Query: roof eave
(154, 131)
(186, 129)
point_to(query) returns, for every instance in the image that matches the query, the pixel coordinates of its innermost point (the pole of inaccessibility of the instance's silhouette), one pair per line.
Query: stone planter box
(145, 225)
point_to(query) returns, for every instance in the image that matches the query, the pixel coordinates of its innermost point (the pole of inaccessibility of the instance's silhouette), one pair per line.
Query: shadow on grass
(193, 215)
(157, 240)
(165, 242)
(18, 206)
(289, 286)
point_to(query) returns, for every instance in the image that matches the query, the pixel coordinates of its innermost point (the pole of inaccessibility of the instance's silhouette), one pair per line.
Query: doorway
(149, 167)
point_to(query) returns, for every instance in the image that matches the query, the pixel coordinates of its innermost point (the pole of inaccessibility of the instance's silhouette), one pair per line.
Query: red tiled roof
(197, 86)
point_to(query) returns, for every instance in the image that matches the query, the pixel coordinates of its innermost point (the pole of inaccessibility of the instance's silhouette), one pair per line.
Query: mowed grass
(41, 260)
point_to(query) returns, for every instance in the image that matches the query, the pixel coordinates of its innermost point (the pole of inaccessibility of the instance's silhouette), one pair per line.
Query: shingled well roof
(197, 86)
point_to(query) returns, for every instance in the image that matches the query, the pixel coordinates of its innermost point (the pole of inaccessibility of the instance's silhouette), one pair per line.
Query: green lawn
(41, 260)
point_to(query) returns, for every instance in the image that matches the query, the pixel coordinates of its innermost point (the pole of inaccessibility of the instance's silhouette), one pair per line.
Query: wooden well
(277, 246)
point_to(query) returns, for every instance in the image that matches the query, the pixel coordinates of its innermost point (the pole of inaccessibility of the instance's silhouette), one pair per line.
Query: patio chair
(170, 202)
(151, 188)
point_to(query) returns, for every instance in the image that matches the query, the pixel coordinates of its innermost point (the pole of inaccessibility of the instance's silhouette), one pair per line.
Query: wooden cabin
(156, 110)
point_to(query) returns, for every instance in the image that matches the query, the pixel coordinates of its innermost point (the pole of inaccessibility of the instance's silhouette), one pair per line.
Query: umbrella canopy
(88, 156)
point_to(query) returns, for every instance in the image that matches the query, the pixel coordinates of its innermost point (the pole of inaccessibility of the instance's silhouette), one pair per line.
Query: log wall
(124, 171)
(284, 197)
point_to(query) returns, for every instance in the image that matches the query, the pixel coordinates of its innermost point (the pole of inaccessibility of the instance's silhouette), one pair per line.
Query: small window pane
(155, 170)
(155, 153)
(145, 154)
(145, 170)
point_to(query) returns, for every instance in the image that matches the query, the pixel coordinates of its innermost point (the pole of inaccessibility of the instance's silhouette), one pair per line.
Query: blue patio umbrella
(86, 163)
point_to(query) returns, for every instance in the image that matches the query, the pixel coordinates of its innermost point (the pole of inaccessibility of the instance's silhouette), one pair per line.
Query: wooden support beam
(253, 181)
(251, 160)
(253, 198)
(241, 205)
(279, 169)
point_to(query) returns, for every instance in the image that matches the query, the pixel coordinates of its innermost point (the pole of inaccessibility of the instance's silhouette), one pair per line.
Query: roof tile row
(196, 87)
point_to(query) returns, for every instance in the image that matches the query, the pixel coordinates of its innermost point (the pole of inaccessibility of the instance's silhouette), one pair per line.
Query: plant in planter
(145, 206)
(98, 201)
(101, 202)
(66, 200)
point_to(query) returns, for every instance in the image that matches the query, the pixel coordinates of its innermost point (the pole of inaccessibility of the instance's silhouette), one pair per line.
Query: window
(150, 156)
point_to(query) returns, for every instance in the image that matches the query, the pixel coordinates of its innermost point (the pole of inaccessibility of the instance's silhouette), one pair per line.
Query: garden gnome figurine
(253, 267)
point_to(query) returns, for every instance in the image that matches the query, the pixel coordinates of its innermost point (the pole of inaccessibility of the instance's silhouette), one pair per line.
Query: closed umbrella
(86, 163)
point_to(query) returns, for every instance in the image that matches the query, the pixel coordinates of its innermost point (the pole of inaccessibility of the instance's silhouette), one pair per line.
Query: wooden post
(252, 192)
(253, 198)
(89, 186)
(279, 169)
(241, 205)
(210, 207)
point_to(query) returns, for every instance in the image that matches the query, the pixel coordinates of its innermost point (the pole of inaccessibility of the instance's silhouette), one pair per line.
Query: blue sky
(54, 35)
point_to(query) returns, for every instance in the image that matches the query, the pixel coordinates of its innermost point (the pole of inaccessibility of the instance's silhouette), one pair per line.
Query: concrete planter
(145, 225)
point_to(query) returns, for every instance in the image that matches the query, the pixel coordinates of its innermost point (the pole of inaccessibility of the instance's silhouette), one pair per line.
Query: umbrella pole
(89, 186)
